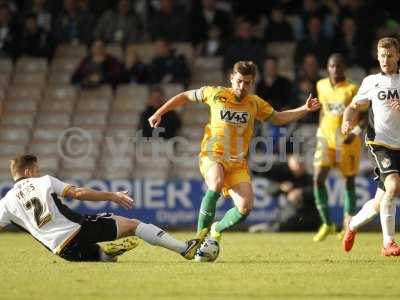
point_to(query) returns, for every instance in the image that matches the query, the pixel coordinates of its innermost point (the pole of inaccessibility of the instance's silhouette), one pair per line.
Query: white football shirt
(384, 121)
(34, 205)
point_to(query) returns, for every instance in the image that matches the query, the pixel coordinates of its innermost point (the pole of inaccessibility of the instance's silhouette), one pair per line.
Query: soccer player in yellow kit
(224, 149)
(333, 148)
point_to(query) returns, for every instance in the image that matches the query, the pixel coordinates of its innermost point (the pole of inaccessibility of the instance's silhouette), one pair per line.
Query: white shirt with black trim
(384, 121)
(33, 204)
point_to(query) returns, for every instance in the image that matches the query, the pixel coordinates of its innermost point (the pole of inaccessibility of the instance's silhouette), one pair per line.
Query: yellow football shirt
(231, 124)
(334, 99)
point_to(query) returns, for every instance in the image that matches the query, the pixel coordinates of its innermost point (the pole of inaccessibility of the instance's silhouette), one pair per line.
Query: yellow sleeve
(264, 110)
(204, 94)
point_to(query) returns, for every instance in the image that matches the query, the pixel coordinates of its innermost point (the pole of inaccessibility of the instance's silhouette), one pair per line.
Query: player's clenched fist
(312, 104)
(155, 120)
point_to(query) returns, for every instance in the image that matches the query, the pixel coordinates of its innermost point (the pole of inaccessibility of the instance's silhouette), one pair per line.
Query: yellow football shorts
(345, 157)
(235, 172)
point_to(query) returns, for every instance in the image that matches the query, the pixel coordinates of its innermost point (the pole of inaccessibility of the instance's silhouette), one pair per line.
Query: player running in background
(380, 94)
(224, 149)
(34, 205)
(333, 148)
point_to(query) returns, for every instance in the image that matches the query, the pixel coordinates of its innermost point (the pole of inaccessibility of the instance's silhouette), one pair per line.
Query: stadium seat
(172, 89)
(71, 51)
(197, 119)
(191, 132)
(24, 120)
(64, 64)
(21, 106)
(59, 78)
(24, 92)
(37, 78)
(54, 119)
(43, 148)
(57, 106)
(17, 135)
(88, 163)
(93, 105)
(6, 65)
(128, 119)
(49, 163)
(11, 149)
(132, 105)
(31, 64)
(103, 91)
(143, 50)
(207, 70)
(90, 119)
(47, 134)
(134, 92)
(186, 49)
(80, 174)
(4, 79)
(61, 92)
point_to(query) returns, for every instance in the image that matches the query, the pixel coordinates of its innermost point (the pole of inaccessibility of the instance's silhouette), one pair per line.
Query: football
(208, 251)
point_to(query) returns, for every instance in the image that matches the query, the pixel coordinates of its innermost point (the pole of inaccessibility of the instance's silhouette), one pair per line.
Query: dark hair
(245, 68)
(337, 56)
(22, 162)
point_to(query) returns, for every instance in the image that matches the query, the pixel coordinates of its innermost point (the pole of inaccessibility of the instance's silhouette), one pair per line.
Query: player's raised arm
(288, 116)
(352, 115)
(171, 104)
(87, 194)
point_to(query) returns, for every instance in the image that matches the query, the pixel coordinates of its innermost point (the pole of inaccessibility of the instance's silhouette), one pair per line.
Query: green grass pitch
(250, 266)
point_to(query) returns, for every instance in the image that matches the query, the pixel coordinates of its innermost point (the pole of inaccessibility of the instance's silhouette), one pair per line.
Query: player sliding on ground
(333, 148)
(225, 146)
(34, 205)
(380, 94)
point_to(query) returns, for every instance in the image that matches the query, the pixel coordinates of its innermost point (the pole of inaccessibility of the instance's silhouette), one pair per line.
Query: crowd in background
(234, 30)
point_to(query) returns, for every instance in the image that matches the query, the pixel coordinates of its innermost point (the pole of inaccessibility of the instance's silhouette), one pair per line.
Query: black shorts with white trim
(386, 161)
(95, 229)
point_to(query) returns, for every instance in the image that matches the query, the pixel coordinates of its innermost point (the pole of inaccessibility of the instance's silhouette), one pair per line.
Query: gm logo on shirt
(389, 95)
(234, 117)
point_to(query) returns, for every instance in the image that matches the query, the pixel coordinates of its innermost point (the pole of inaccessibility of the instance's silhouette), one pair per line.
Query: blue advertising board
(176, 203)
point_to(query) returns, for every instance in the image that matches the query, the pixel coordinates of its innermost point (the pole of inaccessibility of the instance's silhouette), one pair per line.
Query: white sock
(157, 237)
(366, 214)
(388, 222)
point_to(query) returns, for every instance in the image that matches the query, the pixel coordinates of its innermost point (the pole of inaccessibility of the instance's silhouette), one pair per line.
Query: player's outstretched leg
(367, 213)
(349, 203)
(155, 236)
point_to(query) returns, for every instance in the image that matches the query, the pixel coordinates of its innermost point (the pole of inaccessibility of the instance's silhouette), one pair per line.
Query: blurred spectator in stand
(171, 122)
(207, 17)
(136, 70)
(293, 187)
(350, 44)
(168, 66)
(214, 45)
(8, 34)
(243, 47)
(34, 40)
(305, 83)
(99, 68)
(44, 16)
(315, 42)
(74, 26)
(278, 27)
(170, 22)
(364, 15)
(314, 8)
(119, 26)
(273, 87)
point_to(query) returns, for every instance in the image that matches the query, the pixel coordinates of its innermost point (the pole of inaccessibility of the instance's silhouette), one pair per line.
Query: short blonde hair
(389, 42)
(22, 162)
